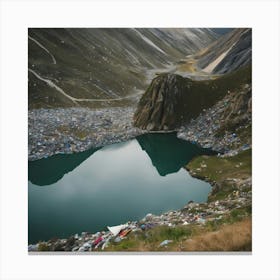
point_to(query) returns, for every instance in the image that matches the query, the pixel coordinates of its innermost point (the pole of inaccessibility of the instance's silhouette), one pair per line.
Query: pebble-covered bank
(204, 129)
(70, 130)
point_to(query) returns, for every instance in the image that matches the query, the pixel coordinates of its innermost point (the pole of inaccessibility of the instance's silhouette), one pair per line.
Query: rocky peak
(159, 107)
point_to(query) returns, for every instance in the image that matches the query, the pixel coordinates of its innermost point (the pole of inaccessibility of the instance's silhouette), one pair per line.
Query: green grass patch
(162, 233)
(220, 169)
(43, 247)
(220, 195)
(223, 171)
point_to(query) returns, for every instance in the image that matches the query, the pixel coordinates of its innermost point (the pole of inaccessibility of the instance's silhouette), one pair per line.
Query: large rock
(160, 106)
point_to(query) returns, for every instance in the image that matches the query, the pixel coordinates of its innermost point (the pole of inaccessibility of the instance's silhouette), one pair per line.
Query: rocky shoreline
(195, 214)
(72, 130)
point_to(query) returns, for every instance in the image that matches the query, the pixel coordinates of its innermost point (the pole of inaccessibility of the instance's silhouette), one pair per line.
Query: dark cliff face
(160, 106)
(171, 100)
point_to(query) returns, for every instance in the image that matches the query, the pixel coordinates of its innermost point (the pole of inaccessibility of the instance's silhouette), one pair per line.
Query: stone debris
(71, 130)
(191, 213)
(204, 129)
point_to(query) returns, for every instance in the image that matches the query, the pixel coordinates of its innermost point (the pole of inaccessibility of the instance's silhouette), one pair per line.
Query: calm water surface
(87, 191)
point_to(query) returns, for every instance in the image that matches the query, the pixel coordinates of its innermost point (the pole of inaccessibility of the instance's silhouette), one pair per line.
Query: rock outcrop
(172, 100)
(160, 106)
(226, 127)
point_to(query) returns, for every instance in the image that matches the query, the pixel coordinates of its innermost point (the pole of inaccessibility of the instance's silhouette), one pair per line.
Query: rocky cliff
(159, 108)
(172, 100)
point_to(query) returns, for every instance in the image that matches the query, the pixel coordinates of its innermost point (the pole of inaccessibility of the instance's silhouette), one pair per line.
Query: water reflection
(169, 153)
(110, 186)
(50, 170)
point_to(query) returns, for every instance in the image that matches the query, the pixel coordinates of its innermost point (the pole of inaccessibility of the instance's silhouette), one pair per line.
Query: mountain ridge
(228, 53)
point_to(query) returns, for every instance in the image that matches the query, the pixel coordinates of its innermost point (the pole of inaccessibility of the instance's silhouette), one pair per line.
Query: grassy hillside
(232, 233)
(226, 174)
(101, 63)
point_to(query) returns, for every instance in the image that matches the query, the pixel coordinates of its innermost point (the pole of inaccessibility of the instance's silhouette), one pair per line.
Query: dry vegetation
(235, 237)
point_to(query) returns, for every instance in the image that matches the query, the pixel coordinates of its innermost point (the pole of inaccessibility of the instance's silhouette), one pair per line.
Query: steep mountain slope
(228, 53)
(172, 100)
(97, 67)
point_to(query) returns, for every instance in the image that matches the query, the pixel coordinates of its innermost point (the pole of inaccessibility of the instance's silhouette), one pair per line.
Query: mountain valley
(152, 112)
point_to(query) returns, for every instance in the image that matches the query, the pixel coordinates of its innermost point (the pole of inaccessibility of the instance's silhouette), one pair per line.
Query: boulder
(160, 106)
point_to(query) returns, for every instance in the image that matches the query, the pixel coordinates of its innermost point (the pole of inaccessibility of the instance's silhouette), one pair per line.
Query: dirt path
(42, 47)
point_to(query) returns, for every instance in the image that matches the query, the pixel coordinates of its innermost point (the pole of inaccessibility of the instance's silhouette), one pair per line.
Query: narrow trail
(73, 99)
(45, 49)
(150, 75)
(53, 85)
(111, 99)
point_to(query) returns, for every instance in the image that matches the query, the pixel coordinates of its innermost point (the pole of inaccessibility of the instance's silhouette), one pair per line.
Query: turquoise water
(87, 191)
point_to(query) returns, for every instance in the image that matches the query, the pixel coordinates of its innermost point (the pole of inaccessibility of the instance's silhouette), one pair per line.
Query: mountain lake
(122, 182)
